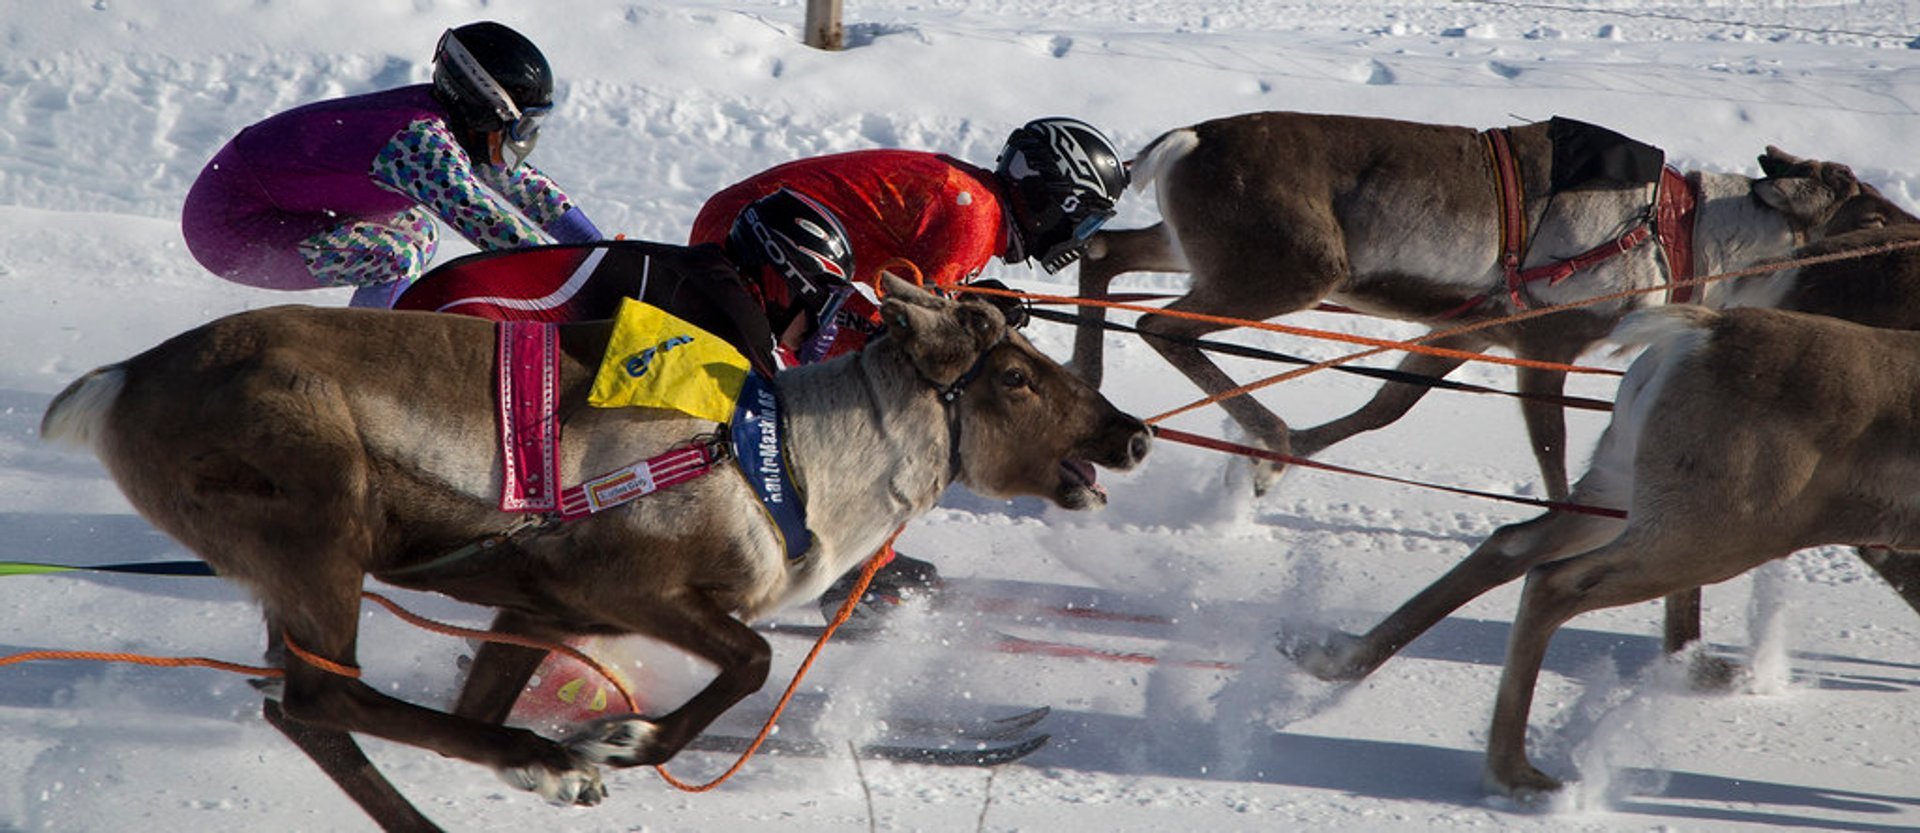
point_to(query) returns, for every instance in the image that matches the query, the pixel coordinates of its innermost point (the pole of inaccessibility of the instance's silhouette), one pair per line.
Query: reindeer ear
(1840, 179)
(940, 336)
(1777, 162)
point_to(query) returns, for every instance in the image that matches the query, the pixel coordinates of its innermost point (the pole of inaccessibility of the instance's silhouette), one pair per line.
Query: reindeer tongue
(1081, 471)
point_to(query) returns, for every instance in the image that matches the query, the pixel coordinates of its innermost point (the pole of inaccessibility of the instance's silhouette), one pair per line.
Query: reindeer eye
(1014, 377)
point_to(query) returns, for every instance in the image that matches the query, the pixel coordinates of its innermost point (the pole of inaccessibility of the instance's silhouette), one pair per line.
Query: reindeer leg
(1388, 405)
(1681, 627)
(1901, 568)
(500, 671)
(341, 759)
(1109, 255)
(1546, 423)
(1682, 621)
(344, 762)
(1636, 567)
(1503, 557)
(1172, 338)
(703, 628)
(324, 625)
(1559, 339)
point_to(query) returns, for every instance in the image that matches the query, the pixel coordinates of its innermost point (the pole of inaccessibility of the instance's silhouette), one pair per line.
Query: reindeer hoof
(1716, 674)
(1327, 655)
(616, 741)
(1523, 783)
(577, 786)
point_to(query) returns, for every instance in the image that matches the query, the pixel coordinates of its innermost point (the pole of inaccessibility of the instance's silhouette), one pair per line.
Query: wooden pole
(823, 25)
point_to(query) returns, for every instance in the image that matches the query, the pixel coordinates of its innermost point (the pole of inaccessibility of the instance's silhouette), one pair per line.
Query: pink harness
(529, 392)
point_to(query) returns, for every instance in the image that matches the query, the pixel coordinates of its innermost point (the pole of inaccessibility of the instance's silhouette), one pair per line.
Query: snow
(108, 109)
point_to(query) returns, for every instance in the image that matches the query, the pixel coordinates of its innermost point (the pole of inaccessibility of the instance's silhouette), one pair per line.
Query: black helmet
(795, 238)
(1064, 178)
(491, 78)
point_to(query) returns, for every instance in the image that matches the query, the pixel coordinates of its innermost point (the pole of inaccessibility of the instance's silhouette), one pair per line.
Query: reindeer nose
(1138, 446)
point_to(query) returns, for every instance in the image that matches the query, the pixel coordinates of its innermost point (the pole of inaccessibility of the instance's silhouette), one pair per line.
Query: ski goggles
(526, 128)
(1090, 224)
(520, 128)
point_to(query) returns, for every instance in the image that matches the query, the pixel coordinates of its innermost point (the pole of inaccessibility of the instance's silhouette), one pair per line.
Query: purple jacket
(301, 177)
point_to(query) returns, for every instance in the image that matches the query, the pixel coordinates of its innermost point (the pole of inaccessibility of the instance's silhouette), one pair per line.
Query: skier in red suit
(1055, 184)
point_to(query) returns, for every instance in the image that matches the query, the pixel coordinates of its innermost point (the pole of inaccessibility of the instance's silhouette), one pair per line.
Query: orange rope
(1416, 345)
(1412, 345)
(142, 659)
(633, 705)
(318, 661)
(840, 617)
(873, 566)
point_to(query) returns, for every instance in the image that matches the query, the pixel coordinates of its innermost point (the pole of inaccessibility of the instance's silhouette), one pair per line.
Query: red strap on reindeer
(529, 382)
(1513, 207)
(1673, 216)
(1672, 225)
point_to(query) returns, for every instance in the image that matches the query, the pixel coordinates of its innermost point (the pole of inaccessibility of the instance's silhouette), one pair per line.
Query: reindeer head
(1023, 424)
(1823, 197)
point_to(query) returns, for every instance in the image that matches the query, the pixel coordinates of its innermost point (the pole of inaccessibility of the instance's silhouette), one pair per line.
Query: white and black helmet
(1063, 178)
(493, 80)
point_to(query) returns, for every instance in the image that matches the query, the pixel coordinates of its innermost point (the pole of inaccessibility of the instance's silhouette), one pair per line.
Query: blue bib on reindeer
(655, 360)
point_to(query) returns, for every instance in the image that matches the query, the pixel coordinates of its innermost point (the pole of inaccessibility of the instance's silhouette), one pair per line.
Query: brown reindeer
(300, 450)
(1275, 212)
(1738, 437)
(1879, 289)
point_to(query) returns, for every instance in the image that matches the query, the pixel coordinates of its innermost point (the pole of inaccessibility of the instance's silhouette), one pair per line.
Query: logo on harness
(637, 366)
(759, 449)
(655, 360)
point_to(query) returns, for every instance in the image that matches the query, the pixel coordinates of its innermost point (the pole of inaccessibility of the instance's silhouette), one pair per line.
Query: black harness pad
(1590, 156)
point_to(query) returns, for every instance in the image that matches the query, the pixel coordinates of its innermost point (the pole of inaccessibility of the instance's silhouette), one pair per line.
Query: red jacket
(942, 214)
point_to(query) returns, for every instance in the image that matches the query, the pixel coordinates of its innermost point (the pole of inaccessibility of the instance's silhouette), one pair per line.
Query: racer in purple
(346, 192)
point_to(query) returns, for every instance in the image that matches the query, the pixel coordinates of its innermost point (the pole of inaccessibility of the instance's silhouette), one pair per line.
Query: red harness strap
(670, 468)
(1513, 207)
(529, 385)
(1673, 218)
(1672, 225)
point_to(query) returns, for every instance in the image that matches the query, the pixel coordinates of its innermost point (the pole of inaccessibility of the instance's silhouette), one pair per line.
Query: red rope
(1163, 432)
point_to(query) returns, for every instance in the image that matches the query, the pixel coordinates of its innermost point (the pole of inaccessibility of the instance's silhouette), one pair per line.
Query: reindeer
(301, 450)
(1275, 212)
(1880, 288)
(1739, 437)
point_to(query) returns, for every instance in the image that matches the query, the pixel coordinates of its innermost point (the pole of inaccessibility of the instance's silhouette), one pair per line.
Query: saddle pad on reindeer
(586, 282)
(1591, 156)
(655, 360)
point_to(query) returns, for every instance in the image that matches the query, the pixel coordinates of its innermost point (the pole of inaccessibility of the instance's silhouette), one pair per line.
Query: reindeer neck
(1736, 231)
(869, 443)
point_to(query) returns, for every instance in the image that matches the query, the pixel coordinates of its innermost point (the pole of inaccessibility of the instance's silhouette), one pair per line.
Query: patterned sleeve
(533, 192)
(425, 163)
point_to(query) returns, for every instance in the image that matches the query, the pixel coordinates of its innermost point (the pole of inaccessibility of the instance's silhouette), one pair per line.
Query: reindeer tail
(78, 415)
(1159, 155)
(1653, 324)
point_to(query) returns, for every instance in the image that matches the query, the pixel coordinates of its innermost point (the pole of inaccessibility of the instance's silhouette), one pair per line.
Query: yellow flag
(655, 360)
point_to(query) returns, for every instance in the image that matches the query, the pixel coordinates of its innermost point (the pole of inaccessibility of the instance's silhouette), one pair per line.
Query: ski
(1010, 644)
(952, 753)
(1028, 608)
(1005, 643)
(1081, 607)
(979, 728)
